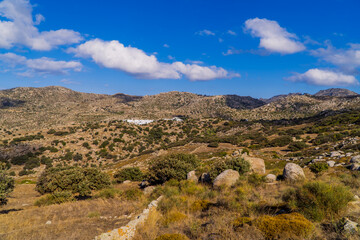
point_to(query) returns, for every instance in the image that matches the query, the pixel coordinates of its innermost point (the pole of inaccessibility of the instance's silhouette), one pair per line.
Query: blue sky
(256, 48)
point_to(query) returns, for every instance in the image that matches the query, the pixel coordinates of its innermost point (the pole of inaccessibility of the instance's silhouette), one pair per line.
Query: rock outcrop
(227, 178)
(293, 172)
(257, 165)
(191, 176)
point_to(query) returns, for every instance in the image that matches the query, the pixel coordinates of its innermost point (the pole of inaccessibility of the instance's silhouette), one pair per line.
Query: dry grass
(74, 220)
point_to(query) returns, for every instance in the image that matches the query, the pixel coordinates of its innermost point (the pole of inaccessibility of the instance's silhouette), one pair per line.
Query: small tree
(173, 166)
(6, 185)
(131, 173)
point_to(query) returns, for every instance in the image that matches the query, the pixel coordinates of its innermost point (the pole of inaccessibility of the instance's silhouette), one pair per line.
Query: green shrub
(55, 198)
(256, 179)
(213, 144)
(319, 167)
(131, 173)
(107, 193)
(296, 146)
(317, 200)
(133, 194)
(6, 185)
(174, 166)
(74, 179)
(284, 226)
(237, 164)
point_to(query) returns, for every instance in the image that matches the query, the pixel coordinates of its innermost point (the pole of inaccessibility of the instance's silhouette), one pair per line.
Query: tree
(6, 185)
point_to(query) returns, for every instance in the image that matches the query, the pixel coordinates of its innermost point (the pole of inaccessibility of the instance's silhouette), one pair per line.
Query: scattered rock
(128, 232)
(335, 154)
(331, 163)
(227, 178)
(48, 222)
(293, 172)
(144, 184)
(355, 159)
(205, 178)
(149, 190)
(355, 167)
(126, 182)
(191, 176)
(257, 165)
(350, 227)
(270, 178)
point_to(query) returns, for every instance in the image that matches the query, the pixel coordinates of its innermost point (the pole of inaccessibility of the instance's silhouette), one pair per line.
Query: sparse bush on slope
(6, 185)
(75, 179)
(173, 166)
(318, 200)
(131, 173)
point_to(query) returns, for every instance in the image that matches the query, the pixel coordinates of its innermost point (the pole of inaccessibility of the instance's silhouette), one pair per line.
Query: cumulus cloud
(113, 54)
(317, 76)
(42, 66)
(19, 28)
(206, 32)
(347, 59)
(273, 37)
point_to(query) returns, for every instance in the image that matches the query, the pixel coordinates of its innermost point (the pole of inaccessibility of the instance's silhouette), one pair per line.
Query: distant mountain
(335, 92)
(49, 106)
(279, 97)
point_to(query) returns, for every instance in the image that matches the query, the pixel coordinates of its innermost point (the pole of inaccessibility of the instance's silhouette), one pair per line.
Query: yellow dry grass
(73, 220)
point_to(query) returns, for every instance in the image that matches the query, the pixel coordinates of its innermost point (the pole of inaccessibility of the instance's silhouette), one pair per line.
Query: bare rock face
(191, 176)
(257, 165)
(227, 178)
(270, 178)
(293, 172)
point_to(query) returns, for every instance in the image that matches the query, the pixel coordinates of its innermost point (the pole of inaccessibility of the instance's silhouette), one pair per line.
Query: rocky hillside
(49, 106)
(336, 92)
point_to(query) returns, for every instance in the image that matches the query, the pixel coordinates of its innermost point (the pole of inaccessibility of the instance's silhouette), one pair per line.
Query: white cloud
(42, 66)
(324, 78)
(231, 32)
(348, 60)
(166, 45)
(113, 54)
(68, 81)
(19, 28)
(206, 32)
(273, 37)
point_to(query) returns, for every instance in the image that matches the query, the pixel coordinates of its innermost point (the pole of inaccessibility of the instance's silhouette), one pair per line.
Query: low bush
(297, 146)
(284, 226)
(74, 179)
(319, 167)
(6, 185)
(55, 198)
(172, 217)
(317, 200)
(131, 173)
(174, 166)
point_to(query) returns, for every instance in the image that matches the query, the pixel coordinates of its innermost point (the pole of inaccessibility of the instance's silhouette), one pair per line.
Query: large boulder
(191, 176)
(355, 167)
(355, 159)
(293, 172)
(257, 165)
(227, 178)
